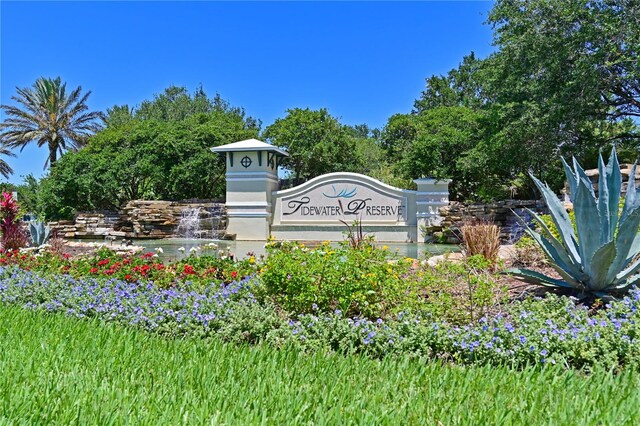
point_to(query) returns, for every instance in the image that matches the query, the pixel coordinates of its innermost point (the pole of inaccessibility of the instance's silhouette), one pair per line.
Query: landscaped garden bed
(346, 300)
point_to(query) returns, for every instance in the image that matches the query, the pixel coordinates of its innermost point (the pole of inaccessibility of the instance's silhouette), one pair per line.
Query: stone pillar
(430, 196)
(252, 175)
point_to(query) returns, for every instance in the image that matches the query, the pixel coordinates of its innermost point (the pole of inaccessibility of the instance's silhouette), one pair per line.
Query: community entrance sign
(319, 208)
(340, 196)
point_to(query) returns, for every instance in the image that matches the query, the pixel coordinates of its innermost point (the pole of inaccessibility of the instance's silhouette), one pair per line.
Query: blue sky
(364, 61)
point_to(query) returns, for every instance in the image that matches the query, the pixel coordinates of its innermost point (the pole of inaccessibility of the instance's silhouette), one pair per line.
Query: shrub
(365, 281)
(199, 271)
(13, 236)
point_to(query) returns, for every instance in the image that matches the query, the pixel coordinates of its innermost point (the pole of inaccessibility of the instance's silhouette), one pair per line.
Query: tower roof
(249, 145)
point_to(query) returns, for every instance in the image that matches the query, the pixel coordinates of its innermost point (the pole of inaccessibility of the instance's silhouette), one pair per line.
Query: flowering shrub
(365, 281)
(541, 331)
(198, 271)
(217, 267)
(13, 236)
(552, 330)
(176, 311)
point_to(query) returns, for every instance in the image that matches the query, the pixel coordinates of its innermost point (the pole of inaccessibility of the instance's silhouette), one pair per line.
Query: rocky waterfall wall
(143, 219)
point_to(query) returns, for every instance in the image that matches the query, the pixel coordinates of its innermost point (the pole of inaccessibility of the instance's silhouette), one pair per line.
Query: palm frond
(49, 116)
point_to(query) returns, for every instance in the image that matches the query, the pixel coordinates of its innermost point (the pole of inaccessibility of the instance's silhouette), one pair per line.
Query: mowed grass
(62, 370)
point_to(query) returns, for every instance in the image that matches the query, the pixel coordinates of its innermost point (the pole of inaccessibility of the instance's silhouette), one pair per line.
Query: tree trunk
(53, 153)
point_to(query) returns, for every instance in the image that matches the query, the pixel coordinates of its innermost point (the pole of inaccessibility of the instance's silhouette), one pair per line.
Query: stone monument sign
(319, 208)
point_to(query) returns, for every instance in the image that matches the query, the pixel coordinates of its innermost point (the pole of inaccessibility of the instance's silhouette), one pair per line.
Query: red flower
(93, 270)
(234, 274)
(66, 255)
(104, 262)
(128, 277)
(188, 270)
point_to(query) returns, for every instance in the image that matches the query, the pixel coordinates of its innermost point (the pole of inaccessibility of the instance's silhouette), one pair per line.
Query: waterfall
(201, 222)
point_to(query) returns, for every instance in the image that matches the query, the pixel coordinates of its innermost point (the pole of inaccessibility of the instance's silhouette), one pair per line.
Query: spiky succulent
(603, 257)
(40, 233)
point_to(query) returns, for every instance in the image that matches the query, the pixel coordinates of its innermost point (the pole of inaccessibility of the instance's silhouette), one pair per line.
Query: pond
(178, 248)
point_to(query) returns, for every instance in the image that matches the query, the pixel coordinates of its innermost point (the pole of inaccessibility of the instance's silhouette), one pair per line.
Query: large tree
(159, 151)
(579, 55)
(564, 80)
(50, 117)
(574, 65)
(316, 141)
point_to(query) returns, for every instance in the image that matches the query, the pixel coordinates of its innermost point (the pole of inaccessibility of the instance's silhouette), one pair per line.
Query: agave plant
(602, 256)
(40, 233)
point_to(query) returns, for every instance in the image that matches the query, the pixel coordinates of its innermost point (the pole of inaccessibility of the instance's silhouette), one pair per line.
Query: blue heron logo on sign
(345, 193)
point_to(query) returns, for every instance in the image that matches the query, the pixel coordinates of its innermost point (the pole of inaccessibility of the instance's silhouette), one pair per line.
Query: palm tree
(5, 169)
(49, 117)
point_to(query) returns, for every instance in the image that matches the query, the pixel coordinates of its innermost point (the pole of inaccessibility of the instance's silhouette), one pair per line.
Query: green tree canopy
(564, 80)
(140, 155)
(318, 143)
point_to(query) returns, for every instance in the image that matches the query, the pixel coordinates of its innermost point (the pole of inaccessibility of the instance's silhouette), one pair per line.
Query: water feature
(201, 222)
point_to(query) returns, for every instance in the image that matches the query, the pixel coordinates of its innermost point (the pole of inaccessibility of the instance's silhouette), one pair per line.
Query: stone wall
(502, 213)
(146, 219)
(87, 225)
(594, 175)
(160, 219)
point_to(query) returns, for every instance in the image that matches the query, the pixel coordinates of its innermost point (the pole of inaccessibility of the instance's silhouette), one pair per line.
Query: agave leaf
(631, 269)
(614, 187)
(603, 201)
(572, 266)
(560, 218)
(625, 240)
(546, 232)
(582, 176)
(534, 277)
(587, 223)
(631, 281)
(600, 263)
(571, 179)
(632, 198)
(567, 271)
(634, 249)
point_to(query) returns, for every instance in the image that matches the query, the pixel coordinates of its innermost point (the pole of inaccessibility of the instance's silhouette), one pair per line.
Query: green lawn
(63, 370)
